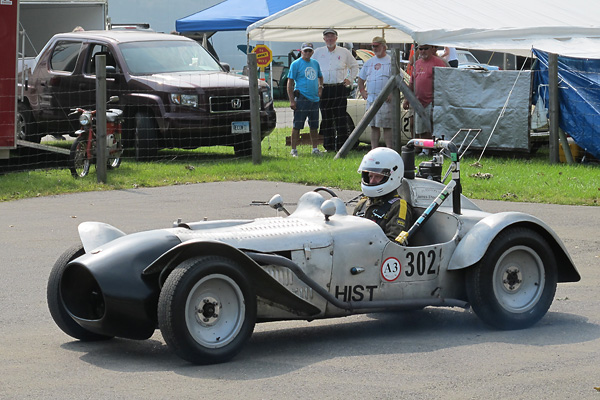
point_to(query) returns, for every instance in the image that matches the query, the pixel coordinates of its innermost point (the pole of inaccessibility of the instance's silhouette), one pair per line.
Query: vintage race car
(205, 284)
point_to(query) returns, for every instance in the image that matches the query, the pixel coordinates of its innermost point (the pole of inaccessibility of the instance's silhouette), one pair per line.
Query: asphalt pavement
(435, 353)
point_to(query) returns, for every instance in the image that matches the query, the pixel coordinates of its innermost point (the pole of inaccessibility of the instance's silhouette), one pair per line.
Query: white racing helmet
(384, 161)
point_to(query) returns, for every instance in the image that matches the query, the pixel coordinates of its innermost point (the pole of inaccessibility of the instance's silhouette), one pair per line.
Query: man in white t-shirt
(375, 73)
(339, 69)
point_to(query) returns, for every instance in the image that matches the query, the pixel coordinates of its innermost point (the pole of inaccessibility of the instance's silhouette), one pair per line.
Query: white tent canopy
(515, 26)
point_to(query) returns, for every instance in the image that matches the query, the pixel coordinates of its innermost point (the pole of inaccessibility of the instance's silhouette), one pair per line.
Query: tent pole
(556, 134)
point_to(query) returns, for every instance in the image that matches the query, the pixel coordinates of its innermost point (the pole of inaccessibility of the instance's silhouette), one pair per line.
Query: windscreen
(157, 57)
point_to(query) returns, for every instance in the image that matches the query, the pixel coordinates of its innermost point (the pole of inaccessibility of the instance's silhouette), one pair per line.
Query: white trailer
(36, 21)
(42, 19)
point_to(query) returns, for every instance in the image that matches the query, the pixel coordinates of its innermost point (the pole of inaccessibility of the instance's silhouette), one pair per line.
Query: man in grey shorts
(304, 87)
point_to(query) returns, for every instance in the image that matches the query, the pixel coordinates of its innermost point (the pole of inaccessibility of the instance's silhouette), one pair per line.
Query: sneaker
(294, 153)
(316, 152)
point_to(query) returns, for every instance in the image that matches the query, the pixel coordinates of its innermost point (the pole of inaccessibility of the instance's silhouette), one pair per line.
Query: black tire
(26, 126)
(243, 147)
(350, 124)
(113, 163)
(146, 146)
(79, 162)
(513, 285)
(207, 310)
(59, 313)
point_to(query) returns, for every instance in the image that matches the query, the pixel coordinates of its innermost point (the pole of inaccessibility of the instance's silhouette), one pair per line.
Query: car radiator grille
(228, 104)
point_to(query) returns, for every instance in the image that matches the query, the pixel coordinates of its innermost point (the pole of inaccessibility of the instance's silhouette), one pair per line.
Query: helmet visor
(375, 176)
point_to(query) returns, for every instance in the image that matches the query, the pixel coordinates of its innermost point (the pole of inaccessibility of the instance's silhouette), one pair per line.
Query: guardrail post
(101, 118)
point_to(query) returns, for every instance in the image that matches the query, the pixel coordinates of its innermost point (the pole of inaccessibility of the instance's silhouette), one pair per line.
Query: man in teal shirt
(304, 88)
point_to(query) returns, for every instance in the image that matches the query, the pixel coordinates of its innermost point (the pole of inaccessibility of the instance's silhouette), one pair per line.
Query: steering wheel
(324, 189)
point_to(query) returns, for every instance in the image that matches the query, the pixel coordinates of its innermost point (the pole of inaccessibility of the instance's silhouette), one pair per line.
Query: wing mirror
(276, 202)
(226, 66)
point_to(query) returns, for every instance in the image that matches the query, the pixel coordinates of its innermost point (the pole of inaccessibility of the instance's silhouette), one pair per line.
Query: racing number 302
(420, 263)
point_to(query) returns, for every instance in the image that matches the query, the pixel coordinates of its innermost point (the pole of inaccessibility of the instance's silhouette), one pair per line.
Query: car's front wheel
(146, 146)
(243, 146)
(207, 309)
(513, 285)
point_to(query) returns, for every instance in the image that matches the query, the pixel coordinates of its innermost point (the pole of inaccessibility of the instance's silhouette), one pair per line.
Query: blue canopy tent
(231, 15)
(579, 95)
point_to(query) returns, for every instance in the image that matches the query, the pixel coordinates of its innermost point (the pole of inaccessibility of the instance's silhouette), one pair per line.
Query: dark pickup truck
(174, 94)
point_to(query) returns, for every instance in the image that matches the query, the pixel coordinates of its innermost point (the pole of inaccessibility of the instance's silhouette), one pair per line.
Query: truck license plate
(240, 127)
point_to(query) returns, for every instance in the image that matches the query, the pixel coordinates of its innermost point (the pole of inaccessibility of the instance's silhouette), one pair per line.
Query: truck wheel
(207, 309)
(26, 126)
(145, 137)
(513, 285)
(243, 147)
(55, 303)
(79, 163)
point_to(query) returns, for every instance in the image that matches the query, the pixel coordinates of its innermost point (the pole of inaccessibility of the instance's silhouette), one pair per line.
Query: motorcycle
(83, 150)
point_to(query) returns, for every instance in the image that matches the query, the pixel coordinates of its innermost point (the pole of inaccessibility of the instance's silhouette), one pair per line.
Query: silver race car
(206, 284)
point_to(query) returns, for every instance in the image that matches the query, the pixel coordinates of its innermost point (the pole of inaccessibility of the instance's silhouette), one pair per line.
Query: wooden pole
(553, 106)
(396, 104)
(101, 156)
(369, 115)
(254, 109)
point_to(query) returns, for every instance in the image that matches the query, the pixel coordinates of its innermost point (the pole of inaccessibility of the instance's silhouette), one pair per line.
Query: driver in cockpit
(382, 171)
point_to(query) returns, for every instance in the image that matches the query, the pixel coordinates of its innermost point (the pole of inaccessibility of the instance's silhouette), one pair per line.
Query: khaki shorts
(383, 118)
(420, 125)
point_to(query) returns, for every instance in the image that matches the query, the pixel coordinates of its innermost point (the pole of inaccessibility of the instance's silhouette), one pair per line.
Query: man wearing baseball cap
(375, 73)
(340, 69)
(304, 87)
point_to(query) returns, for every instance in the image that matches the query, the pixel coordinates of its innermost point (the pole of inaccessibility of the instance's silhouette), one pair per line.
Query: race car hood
(306, 227)
(263, 234)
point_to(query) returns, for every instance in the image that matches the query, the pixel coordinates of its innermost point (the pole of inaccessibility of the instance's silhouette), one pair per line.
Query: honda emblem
(236, 104)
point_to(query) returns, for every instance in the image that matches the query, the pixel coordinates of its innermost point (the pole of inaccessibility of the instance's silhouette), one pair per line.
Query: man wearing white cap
(340, 69)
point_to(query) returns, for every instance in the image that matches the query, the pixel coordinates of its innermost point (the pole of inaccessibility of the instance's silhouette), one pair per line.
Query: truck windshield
(156, 57)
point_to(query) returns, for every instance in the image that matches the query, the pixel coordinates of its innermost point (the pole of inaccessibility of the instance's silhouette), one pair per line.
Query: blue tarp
(231, 15)
(579, 97)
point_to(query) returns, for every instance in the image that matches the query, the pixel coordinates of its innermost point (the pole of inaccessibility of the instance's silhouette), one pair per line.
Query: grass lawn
(510, 178)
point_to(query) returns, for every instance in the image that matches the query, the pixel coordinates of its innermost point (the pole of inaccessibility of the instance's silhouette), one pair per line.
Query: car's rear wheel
(207, 309)
(26, 126)
(59, 312)
(146, 146)
(513, 285)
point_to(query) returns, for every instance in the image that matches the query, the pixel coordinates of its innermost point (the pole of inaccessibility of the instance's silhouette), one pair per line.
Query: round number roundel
(390, 269)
